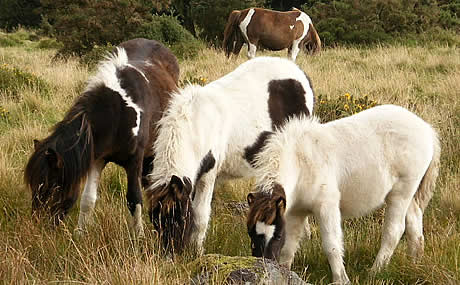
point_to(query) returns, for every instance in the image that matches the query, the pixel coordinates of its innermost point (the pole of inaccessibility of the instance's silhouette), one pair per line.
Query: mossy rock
(220, 269)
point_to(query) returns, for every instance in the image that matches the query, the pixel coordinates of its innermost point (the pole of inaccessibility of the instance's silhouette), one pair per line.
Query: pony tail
(426, 188)
(231, 32)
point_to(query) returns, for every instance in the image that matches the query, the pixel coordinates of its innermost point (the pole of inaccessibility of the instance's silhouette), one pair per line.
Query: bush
(15, 13)
(13, 80)
(81, 25)
(345, 105)
(367, 22)
(167, 30)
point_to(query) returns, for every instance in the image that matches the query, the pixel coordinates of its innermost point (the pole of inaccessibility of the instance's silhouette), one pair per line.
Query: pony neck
(185, 136)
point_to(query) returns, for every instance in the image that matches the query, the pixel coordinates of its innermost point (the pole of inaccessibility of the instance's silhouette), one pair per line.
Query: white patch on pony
(138, 70)
(306, 21)
(244, 24)
(107, 75)
(291, 27)
(266, 230)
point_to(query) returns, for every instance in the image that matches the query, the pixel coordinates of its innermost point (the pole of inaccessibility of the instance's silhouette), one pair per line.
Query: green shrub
(367, 22)
(343, 106)
(97, 54)
(15, 13)
(167, 30)
(81, 25)
(13, 80)
(48, 43)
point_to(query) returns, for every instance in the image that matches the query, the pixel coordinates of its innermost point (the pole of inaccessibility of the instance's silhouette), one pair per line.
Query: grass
(425, 80)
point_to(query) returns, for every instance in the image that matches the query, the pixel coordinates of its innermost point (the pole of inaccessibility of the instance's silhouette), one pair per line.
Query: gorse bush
(13, 80)
(343, 106)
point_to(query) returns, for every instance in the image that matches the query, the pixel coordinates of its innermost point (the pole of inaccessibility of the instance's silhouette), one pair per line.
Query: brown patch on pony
(171, 213)
(286, 99)
(251, 151)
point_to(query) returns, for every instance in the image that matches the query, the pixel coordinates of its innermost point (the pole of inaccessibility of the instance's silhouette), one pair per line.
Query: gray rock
(241, 270)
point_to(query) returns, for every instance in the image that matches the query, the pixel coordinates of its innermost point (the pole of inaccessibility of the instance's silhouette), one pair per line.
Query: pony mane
(166, 148)
(107, 70)
(267, 161)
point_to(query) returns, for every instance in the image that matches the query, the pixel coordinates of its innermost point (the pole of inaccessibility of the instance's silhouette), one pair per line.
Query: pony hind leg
(414, 231)
(89, 196)
(398, 202)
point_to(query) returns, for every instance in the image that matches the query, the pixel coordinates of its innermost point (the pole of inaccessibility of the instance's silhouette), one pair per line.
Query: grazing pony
(203, 135)
(112, 121)
(345, 168)
(270, 29)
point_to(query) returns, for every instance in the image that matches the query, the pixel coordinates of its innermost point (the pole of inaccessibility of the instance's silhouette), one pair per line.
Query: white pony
(345, 168)
(203, 135)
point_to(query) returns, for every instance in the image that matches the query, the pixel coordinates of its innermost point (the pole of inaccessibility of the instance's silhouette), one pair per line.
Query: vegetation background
(376, 52)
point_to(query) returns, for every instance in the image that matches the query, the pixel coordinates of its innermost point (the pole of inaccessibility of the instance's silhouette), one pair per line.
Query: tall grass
(425, 80)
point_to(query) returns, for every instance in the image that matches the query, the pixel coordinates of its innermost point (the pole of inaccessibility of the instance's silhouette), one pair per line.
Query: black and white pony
(345, 168)
(112, 121)
(203, 135)
(270, 29)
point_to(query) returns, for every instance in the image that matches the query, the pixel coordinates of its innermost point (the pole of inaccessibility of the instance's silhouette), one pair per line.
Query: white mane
(176, 117)
(106, 71)
(268, 160)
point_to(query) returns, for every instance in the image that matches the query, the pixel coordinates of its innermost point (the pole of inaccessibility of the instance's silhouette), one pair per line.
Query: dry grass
(426, 80)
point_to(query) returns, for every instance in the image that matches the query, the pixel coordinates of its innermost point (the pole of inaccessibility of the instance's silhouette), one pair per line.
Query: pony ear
(281, 205)
(54, 158)
(187, 185)
(177, 185)
(36, 144)
(250, 199)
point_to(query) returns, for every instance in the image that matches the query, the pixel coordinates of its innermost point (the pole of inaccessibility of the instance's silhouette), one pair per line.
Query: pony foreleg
(134, 198)
(202, 208)
(89, 196)
(251, 50)
(332, 239)
(293, 50)
(295, 227)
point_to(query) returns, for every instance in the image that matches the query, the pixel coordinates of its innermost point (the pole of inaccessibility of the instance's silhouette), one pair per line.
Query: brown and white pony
(112, 121)
(272, 30)
(203, 135)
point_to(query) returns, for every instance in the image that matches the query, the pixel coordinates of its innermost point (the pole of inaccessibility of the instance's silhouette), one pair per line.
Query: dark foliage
(364, 22)
(14, 13)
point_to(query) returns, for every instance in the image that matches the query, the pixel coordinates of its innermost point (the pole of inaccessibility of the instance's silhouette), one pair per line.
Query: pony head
(265, 222)
(171, 213)
(45, 174)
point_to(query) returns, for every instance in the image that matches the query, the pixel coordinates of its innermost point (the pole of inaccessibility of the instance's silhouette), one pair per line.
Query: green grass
(425, 80)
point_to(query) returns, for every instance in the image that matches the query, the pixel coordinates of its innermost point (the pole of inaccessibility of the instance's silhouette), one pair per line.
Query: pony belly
(362, 199)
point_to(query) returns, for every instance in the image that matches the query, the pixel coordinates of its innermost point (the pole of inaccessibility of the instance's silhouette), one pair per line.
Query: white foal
(345, 168)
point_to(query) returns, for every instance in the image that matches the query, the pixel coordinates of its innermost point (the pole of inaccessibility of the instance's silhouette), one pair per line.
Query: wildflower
(347, 95)
(322, 101)
(346, 107)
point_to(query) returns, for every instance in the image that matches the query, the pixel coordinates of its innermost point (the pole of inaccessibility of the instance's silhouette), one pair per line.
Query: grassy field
(424, 79)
